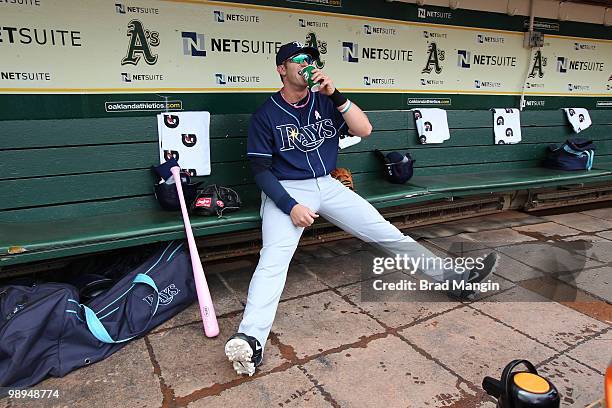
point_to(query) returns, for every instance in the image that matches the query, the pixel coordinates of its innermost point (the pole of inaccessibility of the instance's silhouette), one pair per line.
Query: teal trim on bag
(98, 330)
(589, 153)
(146, 279)
(109, 313)
(130, 288)
(578, 153)
(174, 252)
(76, 314)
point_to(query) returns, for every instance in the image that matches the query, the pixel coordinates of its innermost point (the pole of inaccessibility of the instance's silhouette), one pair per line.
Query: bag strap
(591, 155)
(578, 153)
(579, 144)
(98, 330)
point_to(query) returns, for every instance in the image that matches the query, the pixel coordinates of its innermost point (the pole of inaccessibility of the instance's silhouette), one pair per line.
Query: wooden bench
(85, 185)
(78, 186)
(470, 162)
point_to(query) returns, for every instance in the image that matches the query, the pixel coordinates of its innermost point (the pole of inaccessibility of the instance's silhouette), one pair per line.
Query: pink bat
(207, 310)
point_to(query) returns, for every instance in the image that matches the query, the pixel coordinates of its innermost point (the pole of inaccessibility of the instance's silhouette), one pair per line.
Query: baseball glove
(344, 176)
(214, 199)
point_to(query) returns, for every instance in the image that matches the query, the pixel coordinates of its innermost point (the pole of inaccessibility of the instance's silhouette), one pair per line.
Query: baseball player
(292, 147)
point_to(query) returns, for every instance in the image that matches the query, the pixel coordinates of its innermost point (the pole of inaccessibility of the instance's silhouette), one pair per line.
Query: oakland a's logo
(171, 121)
(306, 138)
(171, 154)
(538, 63)
(141, 41)
(189, 140)
(433, 60)
(321, 46)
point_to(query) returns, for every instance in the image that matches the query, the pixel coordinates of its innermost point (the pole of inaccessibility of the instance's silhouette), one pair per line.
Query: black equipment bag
(46, 331)
(574, 154)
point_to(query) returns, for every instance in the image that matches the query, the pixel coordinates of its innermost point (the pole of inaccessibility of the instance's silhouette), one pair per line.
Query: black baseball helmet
(167, 196)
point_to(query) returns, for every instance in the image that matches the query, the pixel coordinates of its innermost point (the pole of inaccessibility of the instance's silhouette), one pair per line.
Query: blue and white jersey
(302, 142)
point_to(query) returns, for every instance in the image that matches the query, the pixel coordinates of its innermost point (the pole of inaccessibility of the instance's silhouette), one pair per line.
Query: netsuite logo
(223, 79)
(464, 58)
(533, 85)
(424, 13)
(564, 64)
(577, 87)
(200, 45)
(372, 81)
(433, 34)
(40, 36)
(350, 52)
(128, 77)
(487, 39)
(486, 84)
(373, 30)
(22, 2)
(582, 46)
(223, 17)
(120, 8)
(535, 103)
(312, 24)
(193, 44)
(426, 82)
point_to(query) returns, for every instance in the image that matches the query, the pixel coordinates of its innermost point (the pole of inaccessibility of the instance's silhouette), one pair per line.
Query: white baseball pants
(339, 205)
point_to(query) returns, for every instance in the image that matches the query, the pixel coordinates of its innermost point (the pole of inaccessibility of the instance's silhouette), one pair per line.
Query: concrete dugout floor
(329, 349)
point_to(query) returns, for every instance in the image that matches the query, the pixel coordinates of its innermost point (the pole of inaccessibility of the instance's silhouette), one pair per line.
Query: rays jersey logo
(306, 138)
(166, 296)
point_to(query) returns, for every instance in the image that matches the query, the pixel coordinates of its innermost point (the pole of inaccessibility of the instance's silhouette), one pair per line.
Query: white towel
(432, 125)
(348, 141)
(506, 126)
(185, 136)
(579, 118)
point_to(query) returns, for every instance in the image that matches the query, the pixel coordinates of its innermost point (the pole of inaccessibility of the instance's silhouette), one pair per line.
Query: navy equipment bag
(574, 154)
(46, 331)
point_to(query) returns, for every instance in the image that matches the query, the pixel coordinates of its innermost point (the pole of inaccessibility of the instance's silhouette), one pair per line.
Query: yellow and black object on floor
(523, 389)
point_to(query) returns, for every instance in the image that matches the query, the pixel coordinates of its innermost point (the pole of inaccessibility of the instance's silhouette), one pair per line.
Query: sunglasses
(300, 58)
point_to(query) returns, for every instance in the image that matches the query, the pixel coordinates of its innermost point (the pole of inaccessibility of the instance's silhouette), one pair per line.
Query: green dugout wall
(73, 59)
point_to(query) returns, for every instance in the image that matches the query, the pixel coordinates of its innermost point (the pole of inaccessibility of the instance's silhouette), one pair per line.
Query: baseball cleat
(476, 276)
(244, 352)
